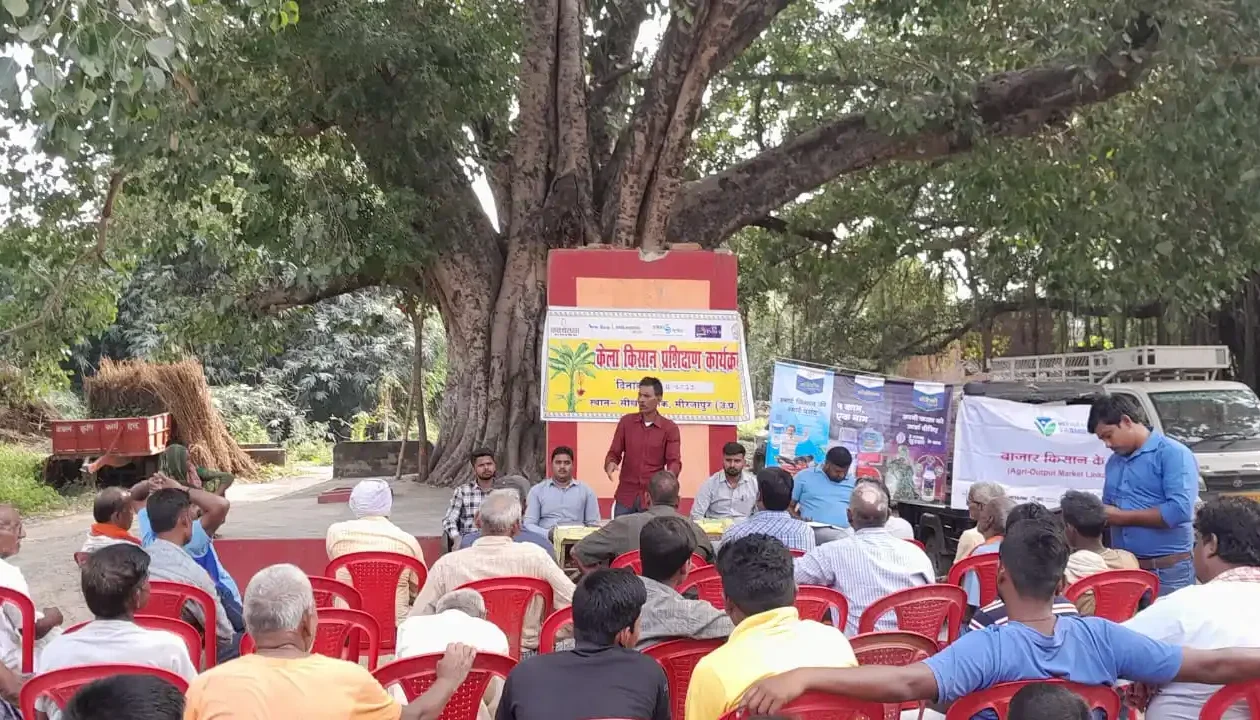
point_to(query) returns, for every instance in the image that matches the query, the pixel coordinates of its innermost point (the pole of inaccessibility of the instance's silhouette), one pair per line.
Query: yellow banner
(596, 358)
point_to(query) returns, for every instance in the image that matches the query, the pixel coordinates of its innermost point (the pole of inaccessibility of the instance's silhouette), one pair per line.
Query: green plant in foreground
(21, 481)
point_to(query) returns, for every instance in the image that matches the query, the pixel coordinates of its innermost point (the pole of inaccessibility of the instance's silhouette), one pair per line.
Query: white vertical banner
(1037, 452)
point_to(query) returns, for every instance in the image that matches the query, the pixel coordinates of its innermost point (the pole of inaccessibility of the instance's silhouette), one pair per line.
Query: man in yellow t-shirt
(284, 680)
(769, 637)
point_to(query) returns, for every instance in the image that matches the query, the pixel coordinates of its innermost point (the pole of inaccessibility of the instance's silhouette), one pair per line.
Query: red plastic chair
(61, 685)
(813, 602)
(551, 626)
(178, 628)
(796, 553)
(81, 558)
(679, 658)
(334, 636)
(27, 610)
(416, 674)
(892, 647)
(917, 543)
(822, 706)
(328, 591)
(924, 610)
(375, 576)
(631, 560)
(1116, 592)
(709, 584)
(168, 599)
(1229, 696)
(985, 567)
(507, 604)
(998, 699)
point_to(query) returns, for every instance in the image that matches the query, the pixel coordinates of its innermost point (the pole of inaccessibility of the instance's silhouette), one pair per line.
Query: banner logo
(809, 385)
(1047, 426)
(712, 332)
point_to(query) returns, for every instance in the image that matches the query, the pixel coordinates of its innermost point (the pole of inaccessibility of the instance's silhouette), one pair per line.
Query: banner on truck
(595, 359)
(897, 430)
(1037, 452)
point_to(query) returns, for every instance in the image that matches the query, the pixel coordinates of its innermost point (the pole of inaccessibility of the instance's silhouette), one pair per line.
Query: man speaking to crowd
(644, 443)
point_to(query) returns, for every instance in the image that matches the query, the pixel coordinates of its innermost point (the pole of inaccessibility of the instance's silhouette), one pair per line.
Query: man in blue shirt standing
(1152, 482)
(821, 495)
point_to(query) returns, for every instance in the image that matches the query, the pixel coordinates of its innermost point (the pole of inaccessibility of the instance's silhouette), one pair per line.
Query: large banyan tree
(323, 146)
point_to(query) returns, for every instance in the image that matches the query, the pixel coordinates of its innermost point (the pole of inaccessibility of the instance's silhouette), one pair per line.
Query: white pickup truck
(1178, 387)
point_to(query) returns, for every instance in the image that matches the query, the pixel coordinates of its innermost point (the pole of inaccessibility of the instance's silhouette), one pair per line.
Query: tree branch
(781, 226)
(1008, 104)
(278, 299)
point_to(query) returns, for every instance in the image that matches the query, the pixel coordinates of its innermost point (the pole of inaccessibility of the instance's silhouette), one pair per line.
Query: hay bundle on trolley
(136, 388)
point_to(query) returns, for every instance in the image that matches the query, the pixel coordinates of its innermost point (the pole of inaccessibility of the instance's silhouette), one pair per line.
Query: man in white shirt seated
(869, 564)
(47, 622)
(460, 617)
(896, 526)
(115, 585)
(1214, 614)
(730, 492)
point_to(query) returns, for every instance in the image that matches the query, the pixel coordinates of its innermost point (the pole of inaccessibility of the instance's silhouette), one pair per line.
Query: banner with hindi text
(595, 359)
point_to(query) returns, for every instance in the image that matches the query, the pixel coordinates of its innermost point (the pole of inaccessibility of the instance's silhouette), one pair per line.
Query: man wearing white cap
(371, 530)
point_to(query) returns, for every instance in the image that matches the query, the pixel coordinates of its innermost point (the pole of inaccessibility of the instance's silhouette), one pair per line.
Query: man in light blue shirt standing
(1152, 482)
(560, 499)
(821, 495)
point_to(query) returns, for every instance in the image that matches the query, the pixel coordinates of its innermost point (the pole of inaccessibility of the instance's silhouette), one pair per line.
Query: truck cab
(1218, 420)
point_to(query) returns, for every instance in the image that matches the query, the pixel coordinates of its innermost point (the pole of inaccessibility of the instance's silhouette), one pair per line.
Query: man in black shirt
(603, 676)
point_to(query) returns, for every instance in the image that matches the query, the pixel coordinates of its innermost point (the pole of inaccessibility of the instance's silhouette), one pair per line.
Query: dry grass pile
(136, 388)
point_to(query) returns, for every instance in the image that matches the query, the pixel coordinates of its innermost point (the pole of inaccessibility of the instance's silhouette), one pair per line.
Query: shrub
(22, 482)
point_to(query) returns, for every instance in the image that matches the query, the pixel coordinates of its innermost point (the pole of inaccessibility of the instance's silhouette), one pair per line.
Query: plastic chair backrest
(329, 590)
(168, 599)
(1229, 696)
(892, 647)
(985, 567)
(507, 602)
(920, 545)
(335, 636)
(551, 626)
(416, 674)
(796, 552)
(632, 560)
(998, 699)
(61, 685)
(27, 609)
(813, 602)
(708, 583)
(1116, 592)
(924, 610)
(375, 576)
(679, 658)
(823, 706)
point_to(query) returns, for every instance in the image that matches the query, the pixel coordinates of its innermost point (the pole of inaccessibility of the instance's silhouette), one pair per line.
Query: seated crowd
(763, 653)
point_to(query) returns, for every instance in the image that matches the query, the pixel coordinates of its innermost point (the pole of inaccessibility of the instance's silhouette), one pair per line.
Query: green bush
(310, 444)
(21, 481)
(247, 430)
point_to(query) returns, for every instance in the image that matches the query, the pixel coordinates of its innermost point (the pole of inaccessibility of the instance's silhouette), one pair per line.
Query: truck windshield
(1193, 417)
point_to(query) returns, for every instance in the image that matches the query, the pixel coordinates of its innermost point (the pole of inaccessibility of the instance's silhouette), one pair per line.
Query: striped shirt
(865, 567)
(461, 515)
(376, 534)
(995, 613)
(778, 524)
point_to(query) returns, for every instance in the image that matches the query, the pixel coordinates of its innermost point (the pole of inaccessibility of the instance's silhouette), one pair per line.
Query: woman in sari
(176, 463)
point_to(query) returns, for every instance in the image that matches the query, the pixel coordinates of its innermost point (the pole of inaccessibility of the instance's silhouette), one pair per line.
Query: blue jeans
(619, 509)
(1176, 577)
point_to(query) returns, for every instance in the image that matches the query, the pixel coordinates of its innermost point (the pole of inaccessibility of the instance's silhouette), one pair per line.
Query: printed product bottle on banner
(929, 484)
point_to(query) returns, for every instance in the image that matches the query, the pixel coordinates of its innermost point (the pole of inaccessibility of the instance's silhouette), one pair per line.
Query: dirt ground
(284, 508)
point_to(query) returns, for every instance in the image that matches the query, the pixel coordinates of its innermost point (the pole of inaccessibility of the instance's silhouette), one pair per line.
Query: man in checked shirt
(466, 501)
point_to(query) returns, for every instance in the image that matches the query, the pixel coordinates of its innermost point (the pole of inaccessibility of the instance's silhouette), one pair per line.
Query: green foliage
(312, 444)
(21, 481)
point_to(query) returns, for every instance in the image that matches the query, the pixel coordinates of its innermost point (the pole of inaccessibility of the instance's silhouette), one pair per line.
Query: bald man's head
(11, 531)
(113, 506)
(868, 507)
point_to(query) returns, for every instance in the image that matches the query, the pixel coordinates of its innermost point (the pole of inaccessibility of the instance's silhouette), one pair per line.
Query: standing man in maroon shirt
(644, 443)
